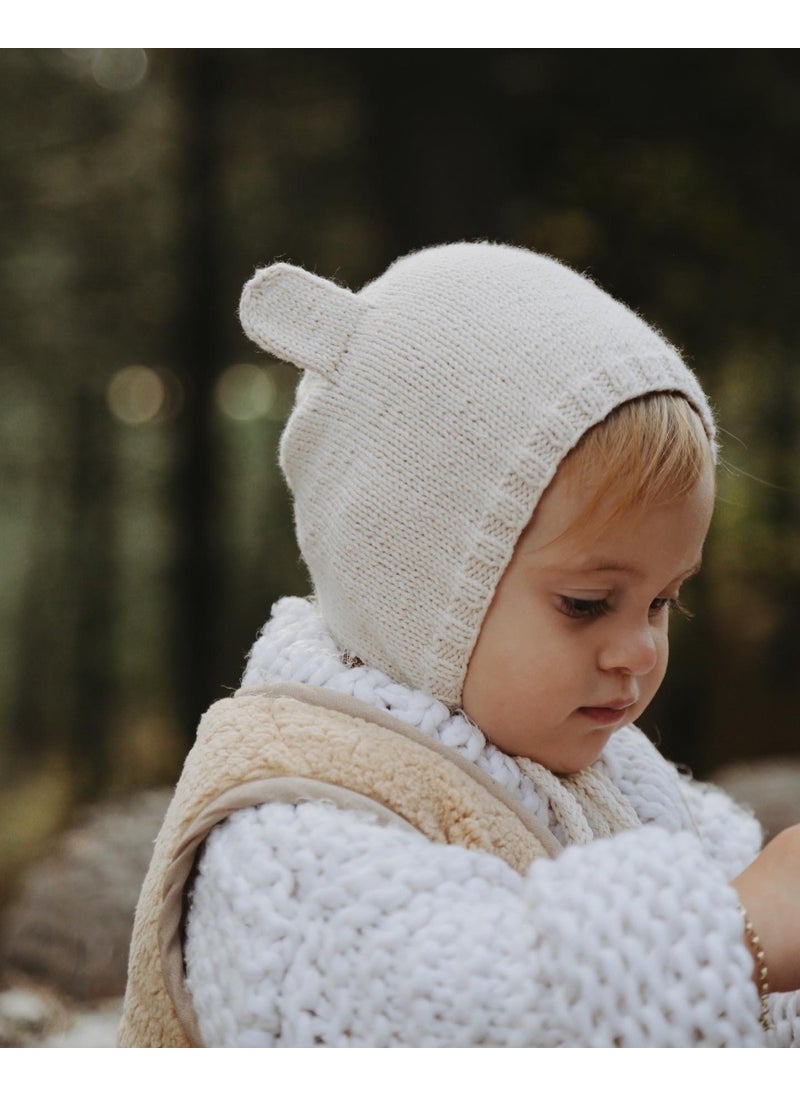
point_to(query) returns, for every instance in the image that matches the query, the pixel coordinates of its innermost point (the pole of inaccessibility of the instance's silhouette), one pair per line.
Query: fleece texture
(261, 746)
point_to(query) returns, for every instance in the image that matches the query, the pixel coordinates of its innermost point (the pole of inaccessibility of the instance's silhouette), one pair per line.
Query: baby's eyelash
(589, 609)
(673, 605)
(583, 608)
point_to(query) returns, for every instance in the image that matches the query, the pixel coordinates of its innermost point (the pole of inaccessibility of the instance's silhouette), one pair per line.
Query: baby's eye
(583, 608)
(669, 605)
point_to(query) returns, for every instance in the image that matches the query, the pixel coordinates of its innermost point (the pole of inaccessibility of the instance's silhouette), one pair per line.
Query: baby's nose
(630, 650)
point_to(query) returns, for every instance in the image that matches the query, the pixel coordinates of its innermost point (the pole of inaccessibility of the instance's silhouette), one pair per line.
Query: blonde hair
(649, 451)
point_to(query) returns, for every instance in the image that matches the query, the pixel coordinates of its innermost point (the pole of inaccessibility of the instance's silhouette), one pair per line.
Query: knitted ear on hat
(299, 317)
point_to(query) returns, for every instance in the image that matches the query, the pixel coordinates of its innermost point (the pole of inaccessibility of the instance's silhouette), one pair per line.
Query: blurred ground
(770, 787)
(64, 936)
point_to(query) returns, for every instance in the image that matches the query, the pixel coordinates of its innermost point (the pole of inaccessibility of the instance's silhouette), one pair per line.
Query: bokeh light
(119, 69)
(245, 392)
(138, 395)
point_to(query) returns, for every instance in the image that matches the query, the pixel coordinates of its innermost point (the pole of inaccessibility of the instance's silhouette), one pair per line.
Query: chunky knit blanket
(314, 925)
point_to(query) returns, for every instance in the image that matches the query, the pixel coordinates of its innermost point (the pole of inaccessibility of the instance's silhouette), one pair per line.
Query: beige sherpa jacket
(296, 742)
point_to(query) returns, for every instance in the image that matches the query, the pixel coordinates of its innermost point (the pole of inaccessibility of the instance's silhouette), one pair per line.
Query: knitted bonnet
(435, 406)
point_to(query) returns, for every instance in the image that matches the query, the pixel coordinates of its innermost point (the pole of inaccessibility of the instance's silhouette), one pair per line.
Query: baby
(426, 818)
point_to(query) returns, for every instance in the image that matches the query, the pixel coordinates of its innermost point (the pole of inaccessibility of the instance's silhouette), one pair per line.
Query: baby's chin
(566, 758)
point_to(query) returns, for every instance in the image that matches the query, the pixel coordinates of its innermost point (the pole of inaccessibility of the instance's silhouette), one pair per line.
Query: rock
(69, 928)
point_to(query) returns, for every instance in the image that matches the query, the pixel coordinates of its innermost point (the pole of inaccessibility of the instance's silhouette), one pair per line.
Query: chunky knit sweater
(316, 924)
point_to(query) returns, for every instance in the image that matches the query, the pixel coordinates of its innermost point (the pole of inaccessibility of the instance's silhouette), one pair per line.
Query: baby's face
(574, 645)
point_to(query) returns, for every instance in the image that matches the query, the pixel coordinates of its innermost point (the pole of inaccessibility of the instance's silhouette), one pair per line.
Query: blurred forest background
(144, 525)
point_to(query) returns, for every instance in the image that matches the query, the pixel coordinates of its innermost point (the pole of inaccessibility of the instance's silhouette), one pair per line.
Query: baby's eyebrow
(591, 566)
(692, 571)
(607, 565)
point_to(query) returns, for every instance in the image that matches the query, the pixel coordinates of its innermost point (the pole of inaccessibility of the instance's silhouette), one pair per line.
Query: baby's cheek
(660, 669)
(662, 646)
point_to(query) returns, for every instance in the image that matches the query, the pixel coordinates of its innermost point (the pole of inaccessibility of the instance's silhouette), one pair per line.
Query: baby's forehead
(644, 543)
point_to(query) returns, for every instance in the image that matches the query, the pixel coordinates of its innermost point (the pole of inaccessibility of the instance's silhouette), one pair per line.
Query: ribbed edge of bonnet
(519, 494)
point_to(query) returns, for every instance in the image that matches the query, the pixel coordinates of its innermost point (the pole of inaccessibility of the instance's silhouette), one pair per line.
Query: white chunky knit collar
(630, 783)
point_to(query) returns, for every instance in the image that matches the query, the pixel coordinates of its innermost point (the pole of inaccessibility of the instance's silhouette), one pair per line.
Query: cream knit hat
(435, 406)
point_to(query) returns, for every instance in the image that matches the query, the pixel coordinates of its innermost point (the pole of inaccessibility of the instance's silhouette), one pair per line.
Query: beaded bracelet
(754, 944)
